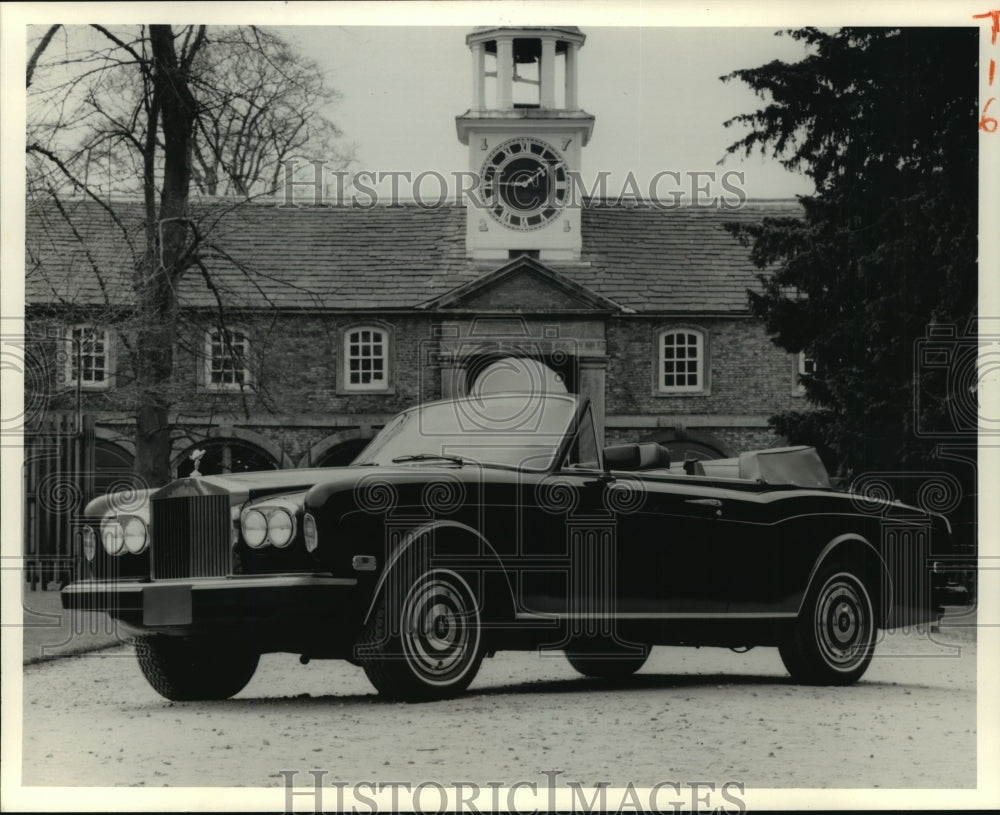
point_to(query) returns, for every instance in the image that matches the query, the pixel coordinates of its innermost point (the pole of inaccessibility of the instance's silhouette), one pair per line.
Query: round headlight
(112, 536)
(135, 535)
(89, 543)
(280, 528)
(254, 528)
(309, 532)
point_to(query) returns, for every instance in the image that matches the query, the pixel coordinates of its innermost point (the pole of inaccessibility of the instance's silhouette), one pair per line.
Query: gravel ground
(690, 714)
(51, 632)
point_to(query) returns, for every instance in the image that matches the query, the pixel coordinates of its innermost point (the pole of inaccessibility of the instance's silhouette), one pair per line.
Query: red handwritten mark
(994, 16)
(989, 123)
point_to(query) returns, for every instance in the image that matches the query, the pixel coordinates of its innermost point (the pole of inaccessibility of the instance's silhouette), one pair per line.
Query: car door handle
(705, 502)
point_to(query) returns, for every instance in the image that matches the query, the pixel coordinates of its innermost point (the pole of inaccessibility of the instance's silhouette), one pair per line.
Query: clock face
(524, 183)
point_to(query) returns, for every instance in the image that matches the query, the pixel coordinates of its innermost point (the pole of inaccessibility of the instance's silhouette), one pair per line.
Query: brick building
(340, 316)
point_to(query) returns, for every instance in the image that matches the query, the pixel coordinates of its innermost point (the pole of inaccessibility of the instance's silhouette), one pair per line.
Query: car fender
(884, 590)
(421, 535)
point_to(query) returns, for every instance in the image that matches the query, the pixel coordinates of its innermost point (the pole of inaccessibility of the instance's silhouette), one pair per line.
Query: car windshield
(511, 430)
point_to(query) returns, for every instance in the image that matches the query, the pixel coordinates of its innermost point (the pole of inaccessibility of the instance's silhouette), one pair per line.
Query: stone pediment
(524, 285)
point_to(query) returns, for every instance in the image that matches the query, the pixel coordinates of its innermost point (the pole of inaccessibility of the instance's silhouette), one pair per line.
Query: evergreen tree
(884, 122)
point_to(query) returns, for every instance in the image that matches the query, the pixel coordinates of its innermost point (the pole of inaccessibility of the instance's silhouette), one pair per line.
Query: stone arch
(250, 447)
(329, 447)
(113, 460)
(115, 437)
(516, 373)
(555, 372)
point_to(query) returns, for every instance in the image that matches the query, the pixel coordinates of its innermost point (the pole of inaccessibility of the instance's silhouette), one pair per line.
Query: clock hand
(523, 183)
(540, 171)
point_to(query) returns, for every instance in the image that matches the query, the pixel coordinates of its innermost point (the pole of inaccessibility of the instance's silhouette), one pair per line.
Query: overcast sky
(655, 93)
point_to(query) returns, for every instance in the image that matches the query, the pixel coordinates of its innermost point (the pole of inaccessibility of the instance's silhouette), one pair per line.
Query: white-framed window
(366, 358)
(89, 357)
(805, 365)
(681, 361)
(227, 359)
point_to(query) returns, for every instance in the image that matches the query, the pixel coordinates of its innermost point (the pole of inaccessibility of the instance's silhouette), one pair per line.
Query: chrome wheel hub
(843, 622)
(440, 628)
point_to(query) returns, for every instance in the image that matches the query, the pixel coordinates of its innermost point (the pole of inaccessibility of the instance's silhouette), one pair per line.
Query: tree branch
(39, 49)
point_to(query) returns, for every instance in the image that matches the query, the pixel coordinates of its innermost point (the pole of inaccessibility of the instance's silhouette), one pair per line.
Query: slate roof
(399, 257)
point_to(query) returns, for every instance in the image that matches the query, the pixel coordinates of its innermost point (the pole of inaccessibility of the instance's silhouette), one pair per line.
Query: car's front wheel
(605, 657)
(833, 639)
(424, 641)
(185, 669)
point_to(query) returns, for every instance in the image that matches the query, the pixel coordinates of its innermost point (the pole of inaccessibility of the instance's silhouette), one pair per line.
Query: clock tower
(525, 131)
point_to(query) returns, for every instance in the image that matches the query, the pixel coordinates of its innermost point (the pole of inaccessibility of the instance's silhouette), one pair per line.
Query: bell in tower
(525, 131)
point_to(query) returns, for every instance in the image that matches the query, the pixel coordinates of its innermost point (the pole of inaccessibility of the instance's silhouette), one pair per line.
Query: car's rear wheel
(606, 658)
(833, 639)
(185, 669)
(423, 641)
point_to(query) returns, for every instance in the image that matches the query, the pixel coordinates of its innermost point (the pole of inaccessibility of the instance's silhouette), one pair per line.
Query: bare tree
(261, 105)
(116, 113)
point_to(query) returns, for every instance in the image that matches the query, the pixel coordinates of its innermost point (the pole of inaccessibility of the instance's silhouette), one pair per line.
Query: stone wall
(299, 406)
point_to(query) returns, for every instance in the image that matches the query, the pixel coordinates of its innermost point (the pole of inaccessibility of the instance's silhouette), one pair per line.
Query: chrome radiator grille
(190, 537)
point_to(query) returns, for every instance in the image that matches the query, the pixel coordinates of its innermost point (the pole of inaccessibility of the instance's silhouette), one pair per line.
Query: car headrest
(646, 456)
(653, 456)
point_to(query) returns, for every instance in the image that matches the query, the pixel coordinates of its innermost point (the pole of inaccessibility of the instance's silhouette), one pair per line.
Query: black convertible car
(483, 524)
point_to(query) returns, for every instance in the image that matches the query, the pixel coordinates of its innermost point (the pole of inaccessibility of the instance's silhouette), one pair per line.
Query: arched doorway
(340, 455)
(338, 449)
(112, 467)
(515, 375)
(225, 456)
